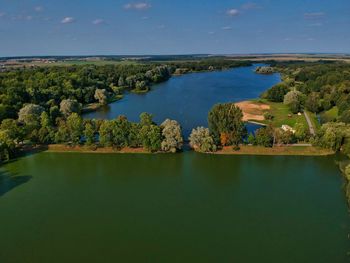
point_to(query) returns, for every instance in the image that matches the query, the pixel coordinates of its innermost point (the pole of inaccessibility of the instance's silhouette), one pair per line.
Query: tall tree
(75, 127)
(226, 125)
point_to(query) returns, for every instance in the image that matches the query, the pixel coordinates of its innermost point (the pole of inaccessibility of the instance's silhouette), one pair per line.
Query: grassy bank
(87, 149)
(279, 150)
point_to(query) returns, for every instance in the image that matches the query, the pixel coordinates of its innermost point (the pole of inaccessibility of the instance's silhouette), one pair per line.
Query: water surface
(173, 208)
(188, 98)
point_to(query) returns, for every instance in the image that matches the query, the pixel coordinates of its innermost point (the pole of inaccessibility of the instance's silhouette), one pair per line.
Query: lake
(188, 98)
(172, 208)
(188, 207)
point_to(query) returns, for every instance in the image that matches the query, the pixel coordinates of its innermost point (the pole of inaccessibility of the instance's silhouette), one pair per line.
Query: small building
(287, 128)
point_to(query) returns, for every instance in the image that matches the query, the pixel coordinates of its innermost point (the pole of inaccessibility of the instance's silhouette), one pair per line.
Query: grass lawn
(282, 115)
(330, 115)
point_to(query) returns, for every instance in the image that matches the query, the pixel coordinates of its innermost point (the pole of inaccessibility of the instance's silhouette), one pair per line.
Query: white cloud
(68, 20)
(315, 15)
(226, 28)
(98, 22)
(2, 14)
(137, 6)
(39, 8)
(211, 32)
(232, 12)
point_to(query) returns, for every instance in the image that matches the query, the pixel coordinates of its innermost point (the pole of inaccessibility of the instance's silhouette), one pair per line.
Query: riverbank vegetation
(35, 127)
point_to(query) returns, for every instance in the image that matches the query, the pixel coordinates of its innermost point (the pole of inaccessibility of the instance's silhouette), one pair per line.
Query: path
(311, 127)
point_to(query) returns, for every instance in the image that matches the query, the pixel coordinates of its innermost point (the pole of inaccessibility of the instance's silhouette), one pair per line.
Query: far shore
(293, 150)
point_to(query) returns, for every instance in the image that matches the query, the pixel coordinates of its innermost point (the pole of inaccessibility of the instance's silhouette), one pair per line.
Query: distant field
(18, 64)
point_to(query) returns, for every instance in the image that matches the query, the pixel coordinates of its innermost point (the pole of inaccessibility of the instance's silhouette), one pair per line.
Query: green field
(282, 115)
(329, 115)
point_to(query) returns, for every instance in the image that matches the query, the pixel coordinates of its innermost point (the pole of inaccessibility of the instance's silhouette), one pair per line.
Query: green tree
(172, 134)
(54, 114)
(106, 133)
(226, 125)
(294, 100)
(120, 132)
(89, 134)
(75, 127)
(146, 119)
(62, 133)
(264, 137)
(69, 106)
(7, 146)
(151, 137)
(102, 96)
(30, 113)
(45, 133)
(313, 102)
(345, 116)
(134, 135)
(201, 140)
(277, 92)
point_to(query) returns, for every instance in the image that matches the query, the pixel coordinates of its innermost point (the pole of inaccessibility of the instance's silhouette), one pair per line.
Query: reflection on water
(9, 181)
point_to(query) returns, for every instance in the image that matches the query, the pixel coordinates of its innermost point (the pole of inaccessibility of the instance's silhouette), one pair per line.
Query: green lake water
(185, 207)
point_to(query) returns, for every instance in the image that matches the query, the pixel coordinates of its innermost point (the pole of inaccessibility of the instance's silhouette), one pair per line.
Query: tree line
(35, 126)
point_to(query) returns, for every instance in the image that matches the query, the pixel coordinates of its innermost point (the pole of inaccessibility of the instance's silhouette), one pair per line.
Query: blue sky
(112, 27)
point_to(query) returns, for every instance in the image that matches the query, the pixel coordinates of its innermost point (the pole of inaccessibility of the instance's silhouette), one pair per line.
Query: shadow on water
(9, 181)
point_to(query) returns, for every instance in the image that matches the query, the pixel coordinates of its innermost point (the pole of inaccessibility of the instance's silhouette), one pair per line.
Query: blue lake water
(188, 98)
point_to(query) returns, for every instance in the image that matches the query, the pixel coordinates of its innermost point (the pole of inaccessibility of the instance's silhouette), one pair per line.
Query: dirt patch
(253, 111)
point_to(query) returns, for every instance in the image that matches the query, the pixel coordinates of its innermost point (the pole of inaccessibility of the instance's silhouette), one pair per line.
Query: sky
(112, 27)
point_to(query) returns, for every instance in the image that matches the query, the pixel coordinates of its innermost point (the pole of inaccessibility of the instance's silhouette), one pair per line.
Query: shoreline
(292, 150)
(60, 148)
(286, 150)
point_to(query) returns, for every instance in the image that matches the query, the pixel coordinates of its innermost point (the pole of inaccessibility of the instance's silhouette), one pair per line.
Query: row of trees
(36, 126)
